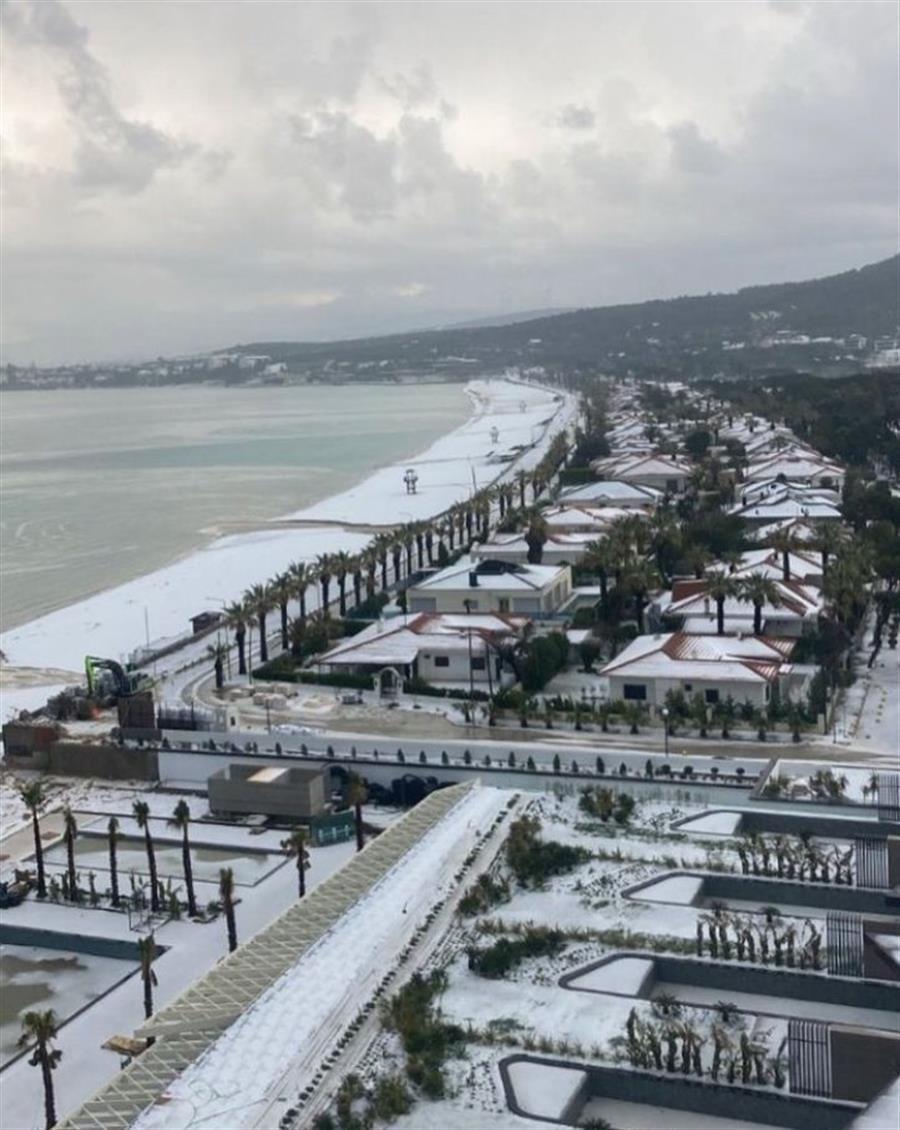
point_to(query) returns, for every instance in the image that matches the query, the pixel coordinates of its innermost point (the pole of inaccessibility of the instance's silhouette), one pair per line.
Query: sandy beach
(114, 622)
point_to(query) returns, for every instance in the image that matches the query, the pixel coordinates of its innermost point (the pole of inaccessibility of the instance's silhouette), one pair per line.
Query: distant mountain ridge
(736, 332)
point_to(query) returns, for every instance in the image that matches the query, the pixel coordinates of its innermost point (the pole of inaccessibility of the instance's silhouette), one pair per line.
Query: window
(442, 661)
(503, 604)
(712, 696)
(470, 605)
(671, 486)
(478, 663)
(635, 692)
(688, 687)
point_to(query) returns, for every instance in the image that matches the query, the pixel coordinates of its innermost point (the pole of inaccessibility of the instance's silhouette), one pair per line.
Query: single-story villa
(661, 472)
(745, 669)
(452, 648)
(689, 601)
(611, 492)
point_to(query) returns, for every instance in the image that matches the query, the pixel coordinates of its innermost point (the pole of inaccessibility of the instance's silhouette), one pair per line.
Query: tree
(720, 587)
(70, 834)
(181, 819)
(759, 590)
(784, 542)
(237, 615)
(357, 795)
(259, 599)
(831, 537)
(142, 815)
(295, 845)
(535, 536)
(638, 578)
(323, 568)
(283, 590)
(147, 952)
(226, 894)
(33, 798)
(40, 1028)
(113, 837)
(300, 576)
(342, 563)
(218, 653)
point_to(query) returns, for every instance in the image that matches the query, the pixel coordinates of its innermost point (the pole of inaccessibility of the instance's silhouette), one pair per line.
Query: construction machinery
(108, 681)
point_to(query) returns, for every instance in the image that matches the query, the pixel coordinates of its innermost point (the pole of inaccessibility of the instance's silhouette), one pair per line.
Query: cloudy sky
(179, 176)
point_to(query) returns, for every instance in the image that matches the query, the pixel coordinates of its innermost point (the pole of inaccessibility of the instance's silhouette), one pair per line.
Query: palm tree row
(758, 938)
(389, 558)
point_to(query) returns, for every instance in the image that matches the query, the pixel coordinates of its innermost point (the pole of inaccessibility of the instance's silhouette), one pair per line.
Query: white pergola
(195, 1020)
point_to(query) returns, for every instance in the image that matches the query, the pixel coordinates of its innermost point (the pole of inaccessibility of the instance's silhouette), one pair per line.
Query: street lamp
(665, 718)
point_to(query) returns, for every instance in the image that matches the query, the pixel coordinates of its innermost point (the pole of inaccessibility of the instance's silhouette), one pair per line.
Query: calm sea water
(100, 486)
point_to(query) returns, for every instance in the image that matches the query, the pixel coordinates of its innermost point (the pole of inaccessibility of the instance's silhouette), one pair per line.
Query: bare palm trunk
(360, 839)
(263, 641)
(39, 855)
(113, 872)
(49, 1097)
(188, 872)
(231, 925)
(241, 640)
(151, 867)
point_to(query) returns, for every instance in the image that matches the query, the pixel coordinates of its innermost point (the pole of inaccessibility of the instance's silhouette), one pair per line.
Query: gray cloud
(575, 117)
(199, 174)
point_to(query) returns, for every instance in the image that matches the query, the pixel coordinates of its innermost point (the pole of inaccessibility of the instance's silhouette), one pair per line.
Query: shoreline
(113, 621)
(206, 535)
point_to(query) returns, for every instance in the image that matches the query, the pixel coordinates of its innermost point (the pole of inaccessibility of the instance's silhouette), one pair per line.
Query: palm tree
(113, 837)
(282, 590)
(719, 588)
(380, 547)
(142, 815)
(147, 954)
(39, 1028)
(830, 539)
(357, 795)
(33, 798)
(599, 558)
(259, 599)
(535, 536)
(299, 573)
(356, 569)
(181, 818)
(323, 568)
(236, 615)
(784, 542)
(70, 833)
(342, 563)
(295, 845)
(759, 590)
(218, 653)
(639, 577)
(226, 893)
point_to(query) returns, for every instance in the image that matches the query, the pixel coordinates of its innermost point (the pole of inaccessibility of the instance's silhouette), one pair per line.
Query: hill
(757, 329)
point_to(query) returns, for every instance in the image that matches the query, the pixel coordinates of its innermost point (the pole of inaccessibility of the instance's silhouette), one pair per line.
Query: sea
(100, 486)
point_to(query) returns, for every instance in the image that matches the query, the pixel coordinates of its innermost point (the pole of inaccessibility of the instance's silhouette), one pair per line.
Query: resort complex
(549, 776)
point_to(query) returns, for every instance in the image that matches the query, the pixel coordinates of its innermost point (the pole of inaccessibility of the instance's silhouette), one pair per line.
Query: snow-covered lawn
(626, 975)
(715, 823)
(681, 889)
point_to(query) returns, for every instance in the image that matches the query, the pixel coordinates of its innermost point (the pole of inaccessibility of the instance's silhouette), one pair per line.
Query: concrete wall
(863, 1063)
(702, 1096)
(827, 896)
(122, 948)
(792, 823)
(791, 984)
(86, 759)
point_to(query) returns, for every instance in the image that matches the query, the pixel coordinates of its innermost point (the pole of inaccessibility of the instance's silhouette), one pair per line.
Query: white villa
(798, 609)
(717, 667)
(490, 585)
(583, 518)
(559, 548)
(785, 504)
(661, 472)
(444, 649)
(796, 467)
(613, 493)
(803, 567)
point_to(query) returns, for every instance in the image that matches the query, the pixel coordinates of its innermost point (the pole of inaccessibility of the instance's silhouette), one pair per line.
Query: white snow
(643, 1116)
(621, 975)
(113, 622)
(718, 823)
(545, 1091)
(682, 889)
(292, 1025)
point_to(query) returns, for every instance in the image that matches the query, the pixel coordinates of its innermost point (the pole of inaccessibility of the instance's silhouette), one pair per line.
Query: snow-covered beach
(160, 603)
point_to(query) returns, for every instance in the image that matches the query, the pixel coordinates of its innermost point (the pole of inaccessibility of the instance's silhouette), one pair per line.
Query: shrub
(533, 860)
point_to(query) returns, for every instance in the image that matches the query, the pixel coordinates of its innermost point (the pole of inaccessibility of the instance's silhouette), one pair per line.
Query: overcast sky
(180, 176)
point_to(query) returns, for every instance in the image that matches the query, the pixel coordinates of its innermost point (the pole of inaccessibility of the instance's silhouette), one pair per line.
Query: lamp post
(665, 718)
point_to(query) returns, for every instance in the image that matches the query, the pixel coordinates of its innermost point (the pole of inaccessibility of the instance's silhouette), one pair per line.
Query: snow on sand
(112, 623)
